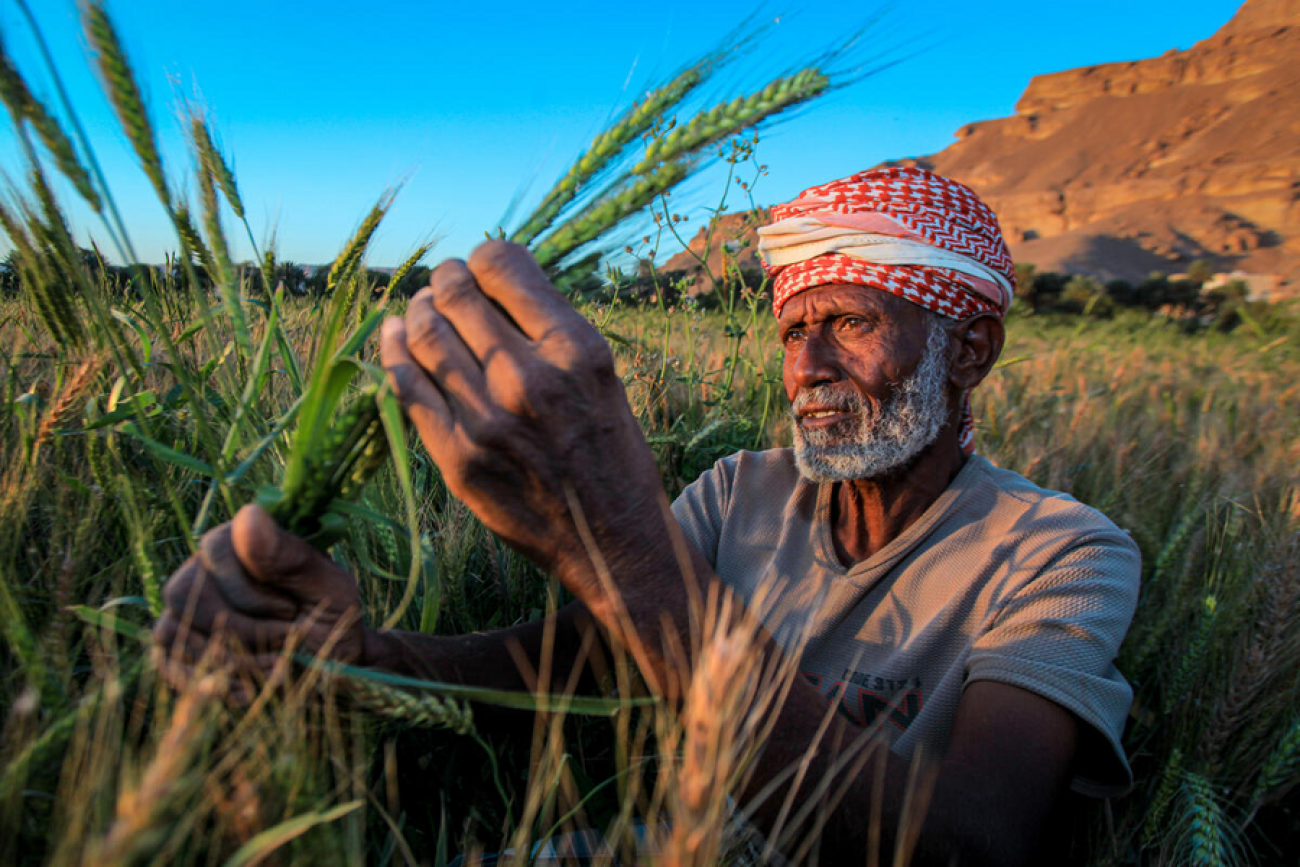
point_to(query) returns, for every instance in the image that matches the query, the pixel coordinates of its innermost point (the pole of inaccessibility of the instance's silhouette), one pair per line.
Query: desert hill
(1121, 169)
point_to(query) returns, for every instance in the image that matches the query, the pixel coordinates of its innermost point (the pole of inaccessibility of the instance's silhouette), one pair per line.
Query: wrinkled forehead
(832, 299)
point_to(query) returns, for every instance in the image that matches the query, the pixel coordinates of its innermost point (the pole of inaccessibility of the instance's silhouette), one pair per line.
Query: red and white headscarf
(903, 230)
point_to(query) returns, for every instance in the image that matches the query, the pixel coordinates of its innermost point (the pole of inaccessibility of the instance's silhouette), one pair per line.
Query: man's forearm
(560, 644)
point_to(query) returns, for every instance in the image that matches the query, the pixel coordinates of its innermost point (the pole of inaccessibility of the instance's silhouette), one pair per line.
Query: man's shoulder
(1006, 496)
(752, 478)
(772, 464)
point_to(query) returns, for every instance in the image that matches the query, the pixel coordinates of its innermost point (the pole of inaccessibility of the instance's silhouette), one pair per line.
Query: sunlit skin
(516, 399)
(860, 338)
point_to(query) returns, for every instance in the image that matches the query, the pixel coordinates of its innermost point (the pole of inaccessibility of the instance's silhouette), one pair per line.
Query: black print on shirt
(864, 698)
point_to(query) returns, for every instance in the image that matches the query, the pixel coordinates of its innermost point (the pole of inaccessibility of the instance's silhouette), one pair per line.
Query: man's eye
(794, 335)
(851, 323)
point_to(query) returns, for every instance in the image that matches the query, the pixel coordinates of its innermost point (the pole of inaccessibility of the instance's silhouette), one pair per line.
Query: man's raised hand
(516, 398)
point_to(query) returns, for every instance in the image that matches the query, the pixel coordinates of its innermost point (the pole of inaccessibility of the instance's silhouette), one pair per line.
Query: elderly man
(955, 607)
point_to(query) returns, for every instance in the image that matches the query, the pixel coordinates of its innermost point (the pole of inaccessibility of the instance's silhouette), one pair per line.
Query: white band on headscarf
(798, 239)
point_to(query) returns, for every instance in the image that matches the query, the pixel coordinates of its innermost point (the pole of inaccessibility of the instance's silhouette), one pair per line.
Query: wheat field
(145, 405)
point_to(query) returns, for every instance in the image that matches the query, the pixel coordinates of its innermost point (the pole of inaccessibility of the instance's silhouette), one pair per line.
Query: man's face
(866, 374)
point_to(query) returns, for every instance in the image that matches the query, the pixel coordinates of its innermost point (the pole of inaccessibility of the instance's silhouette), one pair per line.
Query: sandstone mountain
(1121, 169)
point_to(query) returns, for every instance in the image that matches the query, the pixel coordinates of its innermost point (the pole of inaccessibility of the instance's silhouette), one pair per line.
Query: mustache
(827, 397)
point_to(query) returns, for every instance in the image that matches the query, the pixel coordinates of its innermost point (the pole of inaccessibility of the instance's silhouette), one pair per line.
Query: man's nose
(815, 363)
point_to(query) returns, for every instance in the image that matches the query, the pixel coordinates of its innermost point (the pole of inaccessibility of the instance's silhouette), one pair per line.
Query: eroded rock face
(727, 244)
(1115, 169)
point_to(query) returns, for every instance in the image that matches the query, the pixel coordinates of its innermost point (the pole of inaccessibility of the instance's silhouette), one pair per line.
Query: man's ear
(979, 343)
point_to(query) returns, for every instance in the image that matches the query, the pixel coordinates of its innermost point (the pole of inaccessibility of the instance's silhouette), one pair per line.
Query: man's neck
(868, 514)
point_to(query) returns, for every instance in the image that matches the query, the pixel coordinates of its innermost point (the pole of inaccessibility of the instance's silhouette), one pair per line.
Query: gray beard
(874, 444)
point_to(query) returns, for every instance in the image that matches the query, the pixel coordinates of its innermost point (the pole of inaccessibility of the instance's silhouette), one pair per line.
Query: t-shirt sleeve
(702, 507)
(1059, 636)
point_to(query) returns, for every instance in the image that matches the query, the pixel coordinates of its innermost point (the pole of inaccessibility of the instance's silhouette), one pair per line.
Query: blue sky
(323, 105)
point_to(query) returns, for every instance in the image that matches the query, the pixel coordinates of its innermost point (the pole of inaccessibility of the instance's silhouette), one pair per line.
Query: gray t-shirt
(999, 580)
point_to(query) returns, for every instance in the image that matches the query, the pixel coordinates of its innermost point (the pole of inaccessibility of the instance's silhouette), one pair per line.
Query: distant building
(1259, 287)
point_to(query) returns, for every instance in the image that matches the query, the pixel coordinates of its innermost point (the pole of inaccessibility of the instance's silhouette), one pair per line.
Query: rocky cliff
(1122, 169)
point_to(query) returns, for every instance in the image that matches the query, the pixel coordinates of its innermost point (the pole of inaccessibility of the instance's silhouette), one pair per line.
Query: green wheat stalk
(606, 146)
(124, 94)
(1206, 823)
(732, 117)
(425, 710)
(22, 105)
(1164, 796)
(1194, 655)
(606, 211)
(207, 174)
(1281, 768)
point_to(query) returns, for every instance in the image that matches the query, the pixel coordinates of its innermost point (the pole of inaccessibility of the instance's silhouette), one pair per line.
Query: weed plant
(138, 413)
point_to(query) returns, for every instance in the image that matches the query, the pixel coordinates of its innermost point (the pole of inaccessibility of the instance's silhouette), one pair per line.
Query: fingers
(217, 555)
(424, 403)
(479, 322)
(194, 604)
(284, 562)
(508, 274)
(437, 346)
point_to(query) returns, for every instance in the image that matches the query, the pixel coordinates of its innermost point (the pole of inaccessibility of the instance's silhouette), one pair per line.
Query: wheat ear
(607, 211)
(1193, 656)
(1159, 805)
(22, 105)
(1281, 768)
(1206, 823)
(216, 162)
(732, 117)
(424, 710)
(124, 94)
(61, 409)
(353, 449)
(635, 121)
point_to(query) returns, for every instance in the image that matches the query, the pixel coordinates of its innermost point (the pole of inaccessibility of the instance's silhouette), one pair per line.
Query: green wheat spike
(732, 117)
(423, 710)
(353, 449)
(349, 259)
(635, 121)
(124, 94)
(1193, 656)
(216, 162)
(1281, 768)
(22, 105)
(1206, 823)
(192, 242)
(206, 176)
(607, 211)
(1176, 544)
(1159, 806)
(405, 267)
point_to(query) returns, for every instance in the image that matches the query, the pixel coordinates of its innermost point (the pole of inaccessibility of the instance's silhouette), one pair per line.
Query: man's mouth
(819, 418)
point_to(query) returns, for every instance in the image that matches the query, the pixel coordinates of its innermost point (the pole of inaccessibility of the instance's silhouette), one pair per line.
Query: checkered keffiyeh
(903, 230)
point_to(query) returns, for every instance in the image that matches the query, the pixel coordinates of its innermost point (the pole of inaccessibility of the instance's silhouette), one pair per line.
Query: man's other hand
(253, 582)
(516, 398)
